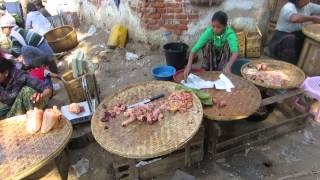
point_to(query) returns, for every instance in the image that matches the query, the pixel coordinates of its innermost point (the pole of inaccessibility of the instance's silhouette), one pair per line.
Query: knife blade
(146, 101)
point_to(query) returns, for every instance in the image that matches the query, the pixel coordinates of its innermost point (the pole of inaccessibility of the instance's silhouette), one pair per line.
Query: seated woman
(221, 46)
(22, 38)
(287, 41)
(36, 21)
(19, 91)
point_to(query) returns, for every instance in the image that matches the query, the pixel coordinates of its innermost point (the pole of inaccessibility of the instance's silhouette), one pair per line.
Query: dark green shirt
(229, 36)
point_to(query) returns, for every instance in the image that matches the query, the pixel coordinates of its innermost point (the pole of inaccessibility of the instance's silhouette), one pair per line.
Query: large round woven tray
(296, 75)
(21, 154)
(312, 31)
(139, 140)
(243, 101)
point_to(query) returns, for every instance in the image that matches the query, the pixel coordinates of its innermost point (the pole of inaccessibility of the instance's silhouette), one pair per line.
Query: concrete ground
(293, 153)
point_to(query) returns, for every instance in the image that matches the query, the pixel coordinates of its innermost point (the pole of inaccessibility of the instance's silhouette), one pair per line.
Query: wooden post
(63, 164)
(187, 161)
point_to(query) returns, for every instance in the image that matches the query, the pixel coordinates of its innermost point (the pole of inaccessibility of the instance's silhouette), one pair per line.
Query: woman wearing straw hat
(29, 40)
(287, 41)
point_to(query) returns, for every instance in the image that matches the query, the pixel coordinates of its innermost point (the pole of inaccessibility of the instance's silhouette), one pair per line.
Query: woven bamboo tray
(243, 101)
(22, 154)
(312, 31)
(139, 140)
(296, 75)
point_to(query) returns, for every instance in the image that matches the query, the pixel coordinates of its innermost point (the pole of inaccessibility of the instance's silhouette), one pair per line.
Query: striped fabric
(31, 39)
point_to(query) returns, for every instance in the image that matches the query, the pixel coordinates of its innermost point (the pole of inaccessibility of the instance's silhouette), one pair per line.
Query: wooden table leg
(187, 161)
(63, 164)
(133, 169)
(214, 131)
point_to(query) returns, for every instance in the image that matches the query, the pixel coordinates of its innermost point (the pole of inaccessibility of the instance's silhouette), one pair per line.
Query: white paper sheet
(224, 83)
(195, 82)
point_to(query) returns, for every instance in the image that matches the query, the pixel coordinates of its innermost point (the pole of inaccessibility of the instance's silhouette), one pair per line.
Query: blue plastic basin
(163, 72)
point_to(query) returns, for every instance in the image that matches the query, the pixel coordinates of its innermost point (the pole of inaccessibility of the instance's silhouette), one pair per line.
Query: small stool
(311, 86)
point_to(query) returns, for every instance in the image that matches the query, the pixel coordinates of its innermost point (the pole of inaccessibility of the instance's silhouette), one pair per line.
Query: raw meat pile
(37, 119)
(152, 112)
(261, 73)
(75, 108)
(149, 113)
(179, 101)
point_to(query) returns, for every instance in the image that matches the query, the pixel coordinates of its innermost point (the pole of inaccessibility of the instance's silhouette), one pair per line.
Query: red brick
(166, 16)
(193, 17)
(152, 21)
(153, 27)
(144, 20)
(152, 16)
(138, 9)
(173, 5)
(157, 4)
(161, 10)
(183, 27)
(161, 22)
(170, 10)
(133, 8)
(169, 21)
(145, 4)
(185, 22)
(169, 27)
(181, 16)
(177, 10)
(148, 10)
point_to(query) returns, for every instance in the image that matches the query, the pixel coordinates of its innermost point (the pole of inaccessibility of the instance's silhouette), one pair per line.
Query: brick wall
(172, 15)
(96, 2)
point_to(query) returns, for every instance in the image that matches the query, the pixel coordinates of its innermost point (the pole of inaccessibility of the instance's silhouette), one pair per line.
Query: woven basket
(62, 39)
(253, 43)
(22, 154)
(243, 101)
(241, 36)
(297, 76)
(140, 140)
(74, 87)
(312, 31)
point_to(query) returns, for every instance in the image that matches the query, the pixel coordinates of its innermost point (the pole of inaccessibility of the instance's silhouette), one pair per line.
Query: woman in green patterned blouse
(221, 44)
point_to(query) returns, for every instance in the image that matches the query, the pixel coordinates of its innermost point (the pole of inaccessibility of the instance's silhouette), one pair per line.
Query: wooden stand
(63, 163)
(260, 134)
(309, 58)
(125, 169)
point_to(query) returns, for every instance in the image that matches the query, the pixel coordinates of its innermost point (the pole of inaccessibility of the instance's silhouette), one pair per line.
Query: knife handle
(157, 97)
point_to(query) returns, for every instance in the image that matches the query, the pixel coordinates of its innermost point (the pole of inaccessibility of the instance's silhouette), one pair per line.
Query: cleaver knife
(146, 101)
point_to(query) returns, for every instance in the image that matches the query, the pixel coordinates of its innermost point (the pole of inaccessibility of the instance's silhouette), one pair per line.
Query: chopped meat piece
(75, 108)
(222, 104)
(264, 67)
(152, 112)
(269, 77)
(127, 122)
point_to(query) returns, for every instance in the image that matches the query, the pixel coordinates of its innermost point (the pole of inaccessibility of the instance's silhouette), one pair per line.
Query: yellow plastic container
(118, 36)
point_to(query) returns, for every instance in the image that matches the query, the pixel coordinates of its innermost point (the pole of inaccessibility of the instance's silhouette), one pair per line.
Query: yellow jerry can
(118, 36)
